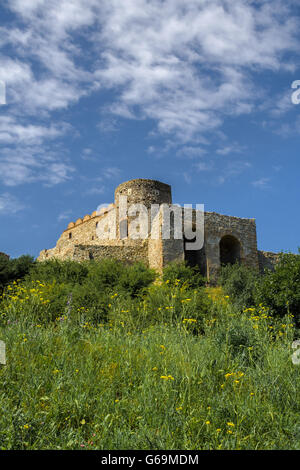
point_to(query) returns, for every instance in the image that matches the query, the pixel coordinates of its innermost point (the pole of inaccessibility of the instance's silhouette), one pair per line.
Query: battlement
(95, 215)
(227, 239)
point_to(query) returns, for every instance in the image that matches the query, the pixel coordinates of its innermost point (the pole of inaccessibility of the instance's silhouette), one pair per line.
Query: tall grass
(174, 368)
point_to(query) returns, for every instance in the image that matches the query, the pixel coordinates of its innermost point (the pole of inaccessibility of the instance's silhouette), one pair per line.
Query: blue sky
(196, 94)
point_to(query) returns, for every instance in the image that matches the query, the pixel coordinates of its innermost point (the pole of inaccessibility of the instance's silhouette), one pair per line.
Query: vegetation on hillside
(13, 269)
(101, 355)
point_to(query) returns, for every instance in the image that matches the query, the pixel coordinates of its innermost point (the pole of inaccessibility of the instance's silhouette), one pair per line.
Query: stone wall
(267, 260)
(128, 254)
(218, 226)
(143, 191)
(80, 240)
(83, 231)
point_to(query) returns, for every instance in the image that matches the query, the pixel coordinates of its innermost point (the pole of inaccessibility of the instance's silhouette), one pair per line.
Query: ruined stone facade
(226, 239)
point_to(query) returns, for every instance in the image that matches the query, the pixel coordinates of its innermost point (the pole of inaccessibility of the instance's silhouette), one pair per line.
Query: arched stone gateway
(222, 239)
(230, 250)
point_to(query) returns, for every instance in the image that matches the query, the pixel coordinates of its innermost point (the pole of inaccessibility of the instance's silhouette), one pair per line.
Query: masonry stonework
(226, 239)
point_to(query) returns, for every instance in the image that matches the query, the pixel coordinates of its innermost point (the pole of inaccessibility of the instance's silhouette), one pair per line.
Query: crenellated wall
(93, 237)
(83, 231)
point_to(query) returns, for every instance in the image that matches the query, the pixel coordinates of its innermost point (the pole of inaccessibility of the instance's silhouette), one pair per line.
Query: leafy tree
(191, 276)
(239, 281)
(135, 279)
(280, 289)
(68, 272)
(14, 269)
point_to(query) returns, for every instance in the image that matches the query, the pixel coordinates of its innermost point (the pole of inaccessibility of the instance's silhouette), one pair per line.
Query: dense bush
(113, 275)
(77, 385)
(191, 276)
(56, 288)
(107, 274)
(14, 269)
(67, 272)
(239, 282)
(280, 289)
(163, 303)
(101, 357)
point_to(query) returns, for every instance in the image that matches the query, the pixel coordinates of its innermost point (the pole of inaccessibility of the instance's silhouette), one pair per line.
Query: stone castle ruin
(224, 239)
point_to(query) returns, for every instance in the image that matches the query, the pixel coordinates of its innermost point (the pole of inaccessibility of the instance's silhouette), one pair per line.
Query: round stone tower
(143, 191)
(139, 191)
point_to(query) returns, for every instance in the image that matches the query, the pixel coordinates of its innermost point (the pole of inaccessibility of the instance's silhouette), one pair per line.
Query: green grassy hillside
(102, 356)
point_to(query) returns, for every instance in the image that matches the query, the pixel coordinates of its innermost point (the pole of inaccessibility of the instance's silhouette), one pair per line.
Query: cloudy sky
(194, 93)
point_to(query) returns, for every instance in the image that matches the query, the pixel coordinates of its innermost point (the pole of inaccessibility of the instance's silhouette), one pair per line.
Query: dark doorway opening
(191, 258)
(230, 250)
(195, 258)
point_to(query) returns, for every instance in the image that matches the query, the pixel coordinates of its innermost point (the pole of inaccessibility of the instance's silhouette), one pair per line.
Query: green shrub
(105, 274)
(84, 291)
(135, 279)
(238, 281)
(14, 269)
(90, 303)
(70, 272)
(162, 303)
(280, 289)
(189, 275)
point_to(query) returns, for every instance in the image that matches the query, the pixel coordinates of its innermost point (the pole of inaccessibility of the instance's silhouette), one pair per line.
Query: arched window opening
(230, 250)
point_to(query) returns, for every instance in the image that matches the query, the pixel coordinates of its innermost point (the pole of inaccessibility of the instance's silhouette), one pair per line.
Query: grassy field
(175, 369)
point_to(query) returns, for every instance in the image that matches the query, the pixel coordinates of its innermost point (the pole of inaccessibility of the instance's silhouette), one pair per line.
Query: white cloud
(279, 104)
(262, 183)
(9, 204)
(229, 149)
(95, 190)
(12, 130)
(202, 166)
(111, 172)
(64, 215)
(14, 72)
(98, 183)
(161, 56)
(233, 169)
(184, 65)
(107, 125)
(191, 152)
(187, 177)
(25, 164)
